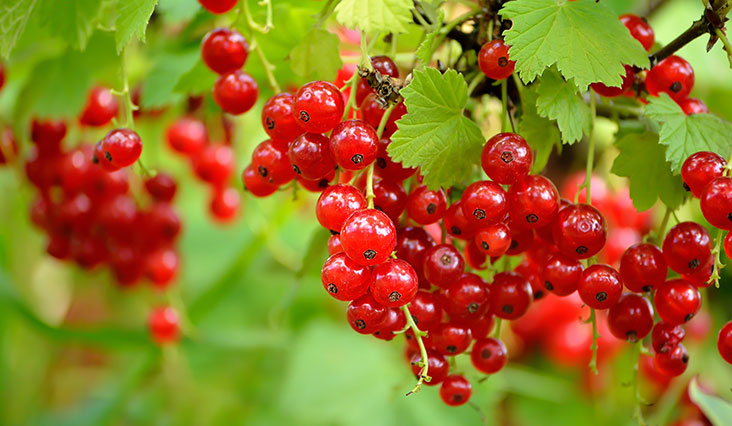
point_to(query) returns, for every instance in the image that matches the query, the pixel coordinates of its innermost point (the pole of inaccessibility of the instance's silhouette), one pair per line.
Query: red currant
(278, 120)
(612, 92)
(394, 283)
(692, 106)
(334, 244)
(724, 342)
(273, 163)
(456, 224)
(368, 237)
(164, 325)
(389, 197)
(677, 301)
(425, 206)
(161, 187)
(345, 279)
(469, 298)
(494, 61)
(412, 242)
(450, 338)
(672, 362)
(187, 135)
(533, 202)
(162, 267)
(218, 6)
(354, 144)
(687, 247)
(561, 274)
(600, 286)
(506, 158)
(639, 29)
(101, 107)
(336, 203)
(728, 244)
(365, 314)
(455, 390)
(225, 203)
(318, 106)
(395, 322)
(700, 169)
(426, 310)
(489, 355)
(643, 267)
(121, 148)
(214, 164)
(443, 265)
(666, 336)
(510, 295)
(580, 231)
(673, 76)
(493, 239)
(372, 112)
(631, 318)
(48, 135)
(224, 50)
(438, 367)
(484, 202)
(235, 92)
(716, 203)
(386, 167)
(255, 183)
(310, 156)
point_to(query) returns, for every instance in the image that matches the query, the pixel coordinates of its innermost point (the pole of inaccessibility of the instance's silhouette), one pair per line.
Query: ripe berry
(161, 187)
(493, 239)
(494, 61)
(278, 120)
(510, 295)
(687, 247)
(386, 167)
(48, 134)
(672, 362)
(561, 274)
(214, 164)
(310, 156)
(121, 148)
(394, 283)
(426, 310)
(318, 106)
(224, 50)
(368, 237)
(101, 107)
(700, 169)
(489, 355)
(225, 203)
(450, 339)
(235, 92)
(673, 76)
(443, 265)
(336, 203)
(187, 135)
(255, 183)
(455, 390)
(666, 336)
(354, 144)
(334, 244)
(692, 106)
(412, 242)
(580, 231)
(438, 367)
(600, 286)
(631, 318)
(372, 112)
(521, 240)
(643, 267)
(612, 92)
(425, 206)
(506, 158)
(484, 202)
(677, 301)
(456, 224)
(273, 163)
(716, 203)
(316, 185)
(343, 278)
(395, 322)
(724, 342)
(162, 267)
(639, 29)
(468, 298)
(389, 197)
(164, 325)
(218, 6)
(365, 314)
(533, 202)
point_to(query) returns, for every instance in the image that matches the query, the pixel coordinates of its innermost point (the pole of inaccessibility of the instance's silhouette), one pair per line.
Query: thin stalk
(497, 329)
(268, 67)
(370, 170)
(422, 351)
(504, 104)
(662, 228)
(587, 184)
(638, 413)
(727, 46)
(718, 265)
(479, 77)
(326, 12)
(595, 336)
(351, 104)
(250, 22)
(365, 60)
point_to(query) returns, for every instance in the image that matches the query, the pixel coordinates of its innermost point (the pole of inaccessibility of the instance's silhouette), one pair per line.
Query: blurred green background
(264, 344)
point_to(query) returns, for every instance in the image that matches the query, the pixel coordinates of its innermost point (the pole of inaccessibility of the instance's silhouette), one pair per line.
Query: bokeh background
(263, 342)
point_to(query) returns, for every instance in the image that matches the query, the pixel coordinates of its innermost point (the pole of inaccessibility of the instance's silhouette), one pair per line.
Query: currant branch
(424, 363)
(595, 336)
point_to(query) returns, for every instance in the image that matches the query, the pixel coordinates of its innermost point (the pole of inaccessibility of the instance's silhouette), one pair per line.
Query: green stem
(595, 336)
(268, 67)
(497, 329)
(129, 106)
(393, 46)
(351, 104)
(423, 376)
(727, 46)
(662, 228)
(326, 12)
(370, 170)
(504, 104)
(365, 60)
(638, 414)
(253, 25)
(587, 184)
(384, 120)
(718, 265)
(479, 77)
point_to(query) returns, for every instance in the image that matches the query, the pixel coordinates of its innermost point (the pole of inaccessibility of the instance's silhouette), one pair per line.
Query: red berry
(163, 222)
(389, 197)
(235, 92)
(716, 203)
(368, 237)
(316, 185)
(225, 203)
(456, 224)
(354, 144)
(101, 107)
(643, 267)
(521, 240)
(334, 244)
(343, 278)
(580, 231)
(639, 29)
(336, 203)
(121, 148)
(561, 274)
(489, 355)
(412, 243)
(187, 135)
(162, 267)
(425, 206)
(506, 158)
(386, 167)
(365, 314)
(438, 367)
(666, 336)
(693, 106)
(700, 169)
(673, 76)
(224, 50)
(48, 135)
(426, 310)
(600, 286)
(372, 112)
(533, 202)
(724, 342)
(443, 265)
(493, 239)
(218, 6)
(612, 92)
(494, 61)
(687, 247)
(394, 283)
(161, 187)
(278, 120)
(164, 325)
(484, 202)
(510, 295)
(450, 339)
(677, 301)
(631, 318)
(318, 106)
(468, 299)
(455, 390)
(214, 164)
(310, 156)
(395, 322)
(672, 362)
(273, 163)
(256, 184)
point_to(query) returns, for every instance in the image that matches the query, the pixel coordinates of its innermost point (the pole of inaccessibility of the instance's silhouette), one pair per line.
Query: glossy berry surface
(510, 295)
(162, 187)
(336, 203)
(561, 274)
(643, 267)
(255, 184)
(426, 310)
(235, 92)
(484, 202)
(368, 237)
(677, 301)
(121, 148)
(489, 355)
(278, 120)
(318, 106)
(692, 106)
(579, 231)
(493, 239)
(343, 278)
(425, 206)
(164, 325)
(456, 224)
(716, 203)
(631, 318)
(639, 29)
(438, 367)
(455, 390)
(600, 286)
(187, 135)
(372, 113)
(701, 168)
(386, 167)
(225, 204)
(673, 76)
(101, 107)
(218, 6)
(611, 91)
(215, 164)
(365, 314)
(724, 342)
(48, 134)
(450, 339)
(666, 336)
(443, 265)
(389, 197)
(354, 144)
(672, 362)
(394, 283)
(273, 163)
(533, 202)
(224, 50)
(310, 156)
(687, 247)
(506, 158)
(494, 61)
(412, 243)
(468, 298)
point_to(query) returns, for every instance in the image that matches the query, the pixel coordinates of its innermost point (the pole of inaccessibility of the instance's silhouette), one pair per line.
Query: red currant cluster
(225, 51)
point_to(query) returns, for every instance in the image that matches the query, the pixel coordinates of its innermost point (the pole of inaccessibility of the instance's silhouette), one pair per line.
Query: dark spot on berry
(581, 250)
(262, 171)
(548, 285)
(455, 230)
(484, 245)
(431, 208)
(323, 183)
(304, 116)
(514, 245)
(446, 259)
(332, 232)
(694, 263)
(269, 122)
(360, 324)
(381, 162)
(486, 354)
(95, 160)
(729, 216)
(394, 296)
(507, 156)
(686, 187)
(688, 317)
(685, 358)
(538, 295)
(664, 348)
(332, 288)
(473, 308)
(532, 218)
(296, 169)
(457, 398)
(108, 156)
(676, 87)
(601, 296)
(369, 254)
(502, 61)
(451, 348)
(357, 159)
(507, 309)
(632, 336)
(647, 288)
(479, 213)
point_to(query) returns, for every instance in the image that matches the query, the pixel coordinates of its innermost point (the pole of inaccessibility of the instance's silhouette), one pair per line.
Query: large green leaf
(541, 133)
(686, 134)
(132, 19)
(14, 15)
(317, 56)
(434, 135)
(375, 16)
(584, 38)
(558, 100)
(71, 20)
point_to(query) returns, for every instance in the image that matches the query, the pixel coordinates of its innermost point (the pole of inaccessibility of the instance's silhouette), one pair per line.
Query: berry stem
(125, 93)
(365, 60)
(497, 329)
(370, 170)
(268, 67)
(638, 413)
(325, 13)
(727, 46)
(718, 265)
(697, 29)
(662, 228)
(250, 22)
(504, 103)
(595, 336)
(422, 350)
(351, 104)
(479, 77)
(587, 184)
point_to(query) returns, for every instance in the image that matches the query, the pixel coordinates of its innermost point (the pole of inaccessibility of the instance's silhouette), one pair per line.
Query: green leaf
(583, 38)
(434, 134)
(541, 133)
(687, 134)
(428, 45)
(558, 100)
(199, 79)
(175, 11)
(14, 15)
(317, 56)
(717, 410)
(375, 16)
(71, 20)
(132, 19)
(159, 87)
(642, 161)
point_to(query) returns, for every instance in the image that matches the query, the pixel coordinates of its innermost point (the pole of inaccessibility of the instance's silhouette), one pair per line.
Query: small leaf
(317, 56)
(584, 38)
(686, 134)
(642, 160)
(558, 100)
(427, 47)
(14, 15)
(159, 87)
(132, 19)
(541, 133)
(375, 16)
(716, 409)
(434, 134)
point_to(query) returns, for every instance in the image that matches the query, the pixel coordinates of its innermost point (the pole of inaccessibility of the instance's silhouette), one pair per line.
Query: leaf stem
(595, 336)
(425, 364)
(129, 106)
(479, 77)
(326, 12)
(351, 104)
(697, 29)
(727, 46)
